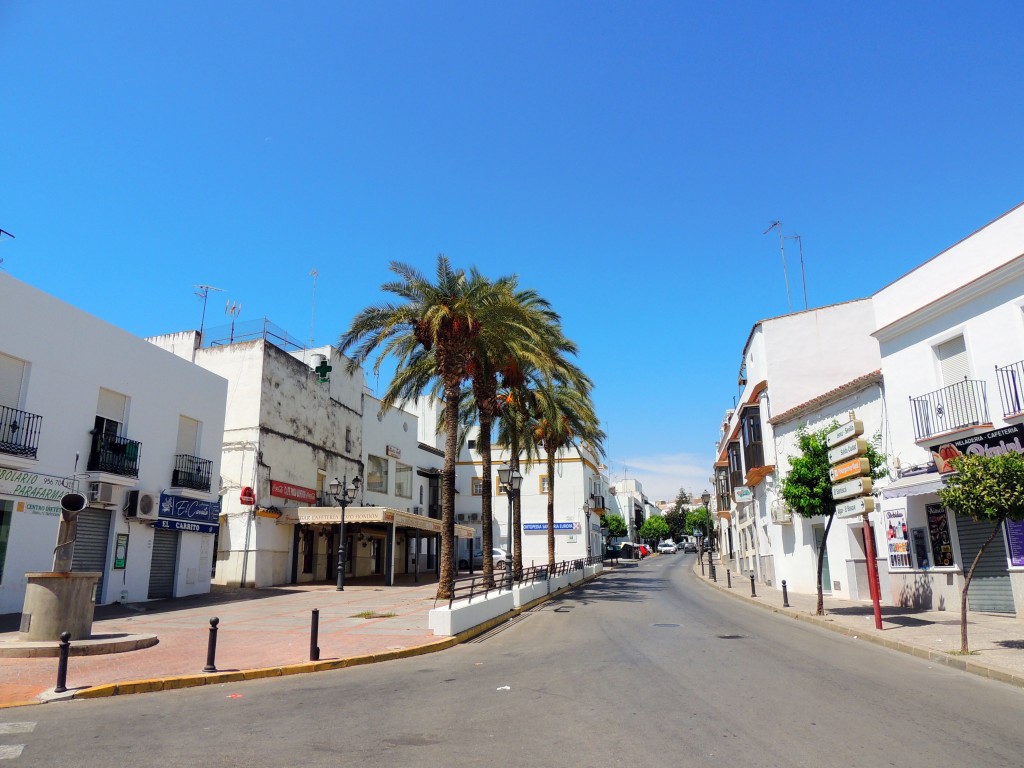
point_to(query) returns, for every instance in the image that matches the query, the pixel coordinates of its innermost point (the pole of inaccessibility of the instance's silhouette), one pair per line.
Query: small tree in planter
(984, 488)
(614, 526)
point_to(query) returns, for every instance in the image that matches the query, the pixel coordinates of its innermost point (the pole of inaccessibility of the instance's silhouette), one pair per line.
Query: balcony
(1011, 389)
(753, 456)
(192, 472)
(19, 432)
(114, 454)
(957, 408)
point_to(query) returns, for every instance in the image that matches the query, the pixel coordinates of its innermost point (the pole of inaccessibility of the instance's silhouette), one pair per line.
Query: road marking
(10, 751)
(17, 727)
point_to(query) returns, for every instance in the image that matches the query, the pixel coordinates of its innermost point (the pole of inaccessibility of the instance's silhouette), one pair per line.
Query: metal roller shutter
(161, 569)
(990, 590)
(91, 544)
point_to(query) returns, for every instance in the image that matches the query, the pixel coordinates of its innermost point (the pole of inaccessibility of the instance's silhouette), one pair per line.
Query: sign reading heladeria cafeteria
(994, 443)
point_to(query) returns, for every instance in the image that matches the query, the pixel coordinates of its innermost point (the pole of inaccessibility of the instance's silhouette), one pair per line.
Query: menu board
(1015, 539)
(938, 532)
(896, 536)
(921, 548)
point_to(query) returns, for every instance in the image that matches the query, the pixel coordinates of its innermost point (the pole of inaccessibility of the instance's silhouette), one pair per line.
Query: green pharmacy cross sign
(323, 370)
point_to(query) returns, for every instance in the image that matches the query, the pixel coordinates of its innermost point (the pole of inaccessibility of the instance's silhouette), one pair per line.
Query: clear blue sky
(621, 158)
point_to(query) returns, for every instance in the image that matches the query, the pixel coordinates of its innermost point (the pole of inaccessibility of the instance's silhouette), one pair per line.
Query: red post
(869, 545)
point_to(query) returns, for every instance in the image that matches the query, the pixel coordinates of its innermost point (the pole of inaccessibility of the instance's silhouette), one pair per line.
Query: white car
(667, 548)
(498, 556)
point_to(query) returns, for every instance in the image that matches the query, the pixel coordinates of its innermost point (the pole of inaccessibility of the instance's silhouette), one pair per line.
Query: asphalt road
(642, 667)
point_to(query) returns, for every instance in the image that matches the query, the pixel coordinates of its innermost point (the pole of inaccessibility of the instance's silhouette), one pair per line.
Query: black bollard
(714, 575)
(211, 647)
(785, 595)
(753, 592)
(728, 577)
(62, 662)
(314, 633)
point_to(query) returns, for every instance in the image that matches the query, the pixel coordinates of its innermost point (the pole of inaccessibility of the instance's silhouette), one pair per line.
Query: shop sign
(864, 505)
(1015, 541)
(851, 468)
(185, 525)
(559, 527)
(393, 451)
(31, 485)
(35, 508)
(193, 510)
(294, 492)
(742, 494)
(853, 428)
(121, 552)
(994, 443)
(896, 536)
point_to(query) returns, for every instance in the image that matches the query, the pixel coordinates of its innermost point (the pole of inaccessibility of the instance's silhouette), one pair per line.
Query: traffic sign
(856, 487)
(862, 506)
(848, 451)
(847, 469)
(854, 428)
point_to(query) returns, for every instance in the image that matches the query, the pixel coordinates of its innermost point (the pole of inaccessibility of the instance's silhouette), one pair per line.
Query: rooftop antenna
(2, 233)
(203, 291)
(312, 313)
(782, 248)
(232, 309)
(803, 275)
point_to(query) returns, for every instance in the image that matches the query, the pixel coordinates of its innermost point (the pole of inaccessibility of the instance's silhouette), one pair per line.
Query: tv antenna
(2, 233)
(312, 312)
(803, 275)
(232, 309)
(203, 292)
(782, 247)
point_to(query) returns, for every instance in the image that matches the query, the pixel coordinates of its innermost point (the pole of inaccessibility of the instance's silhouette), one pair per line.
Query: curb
(152, 685)
(901, 646)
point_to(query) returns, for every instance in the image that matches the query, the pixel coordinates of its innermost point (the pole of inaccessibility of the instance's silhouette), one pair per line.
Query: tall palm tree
(430, 335)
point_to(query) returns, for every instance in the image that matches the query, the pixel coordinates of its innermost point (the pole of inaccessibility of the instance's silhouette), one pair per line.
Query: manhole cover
(666, 625)
(730, 637)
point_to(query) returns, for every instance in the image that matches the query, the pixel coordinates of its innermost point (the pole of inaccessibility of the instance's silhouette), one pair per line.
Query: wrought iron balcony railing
(114, 454)
(957, 406)
(192, 472)
(19, 432)
(1011, 387)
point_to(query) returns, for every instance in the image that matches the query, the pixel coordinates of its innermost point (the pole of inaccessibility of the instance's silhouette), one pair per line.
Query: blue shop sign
(185, 525)
(194, 511)
(544, 526)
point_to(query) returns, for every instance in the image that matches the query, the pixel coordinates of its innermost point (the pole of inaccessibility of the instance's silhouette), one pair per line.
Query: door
(162, 566)
(990, 589)
(91, 543)
(826, 577)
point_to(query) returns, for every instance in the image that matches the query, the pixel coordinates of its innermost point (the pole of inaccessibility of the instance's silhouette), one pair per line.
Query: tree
(682, 501)
(984, 488)
(654, 529)
(807, 489)
(676, 521)
(697, 521)
(614, 525)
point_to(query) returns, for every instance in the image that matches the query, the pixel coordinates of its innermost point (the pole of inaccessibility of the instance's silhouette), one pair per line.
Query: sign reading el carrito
(193, 510)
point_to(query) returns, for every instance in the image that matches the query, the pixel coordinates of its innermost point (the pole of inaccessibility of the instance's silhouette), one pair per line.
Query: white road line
(17, 727)
(10, 751)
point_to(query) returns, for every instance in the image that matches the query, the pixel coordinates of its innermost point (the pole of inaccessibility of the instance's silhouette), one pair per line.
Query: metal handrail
(468, 587)
(19, 432)
(1011, 387)
(192, 472)
(114, 454)
(959, 405)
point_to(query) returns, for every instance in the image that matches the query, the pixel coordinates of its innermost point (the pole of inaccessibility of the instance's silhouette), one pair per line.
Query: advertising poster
(938, 532)
(1015, 540)
(896, 536)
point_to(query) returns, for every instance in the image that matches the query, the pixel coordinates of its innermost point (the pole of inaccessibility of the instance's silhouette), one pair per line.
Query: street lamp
(706, 498)
(586, 511)
(510, 480)
(344, 495)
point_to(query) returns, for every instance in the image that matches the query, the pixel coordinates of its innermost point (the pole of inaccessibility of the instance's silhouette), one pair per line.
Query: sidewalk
(263, 631)
(996, 641)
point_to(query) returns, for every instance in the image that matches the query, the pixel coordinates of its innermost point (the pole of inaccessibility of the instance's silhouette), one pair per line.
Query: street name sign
(861, 506)
(848, 451)
(856, 487)
(848, 469)
(854, 428)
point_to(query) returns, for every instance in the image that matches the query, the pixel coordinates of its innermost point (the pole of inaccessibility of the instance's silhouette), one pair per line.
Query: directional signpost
(851, 489)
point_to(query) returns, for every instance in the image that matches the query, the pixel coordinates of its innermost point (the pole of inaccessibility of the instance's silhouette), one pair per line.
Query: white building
(137, 431)
(951, 335)
(802, 368)
(632, 502)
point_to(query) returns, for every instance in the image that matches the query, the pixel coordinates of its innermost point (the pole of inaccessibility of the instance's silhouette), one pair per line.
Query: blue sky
(623, 159)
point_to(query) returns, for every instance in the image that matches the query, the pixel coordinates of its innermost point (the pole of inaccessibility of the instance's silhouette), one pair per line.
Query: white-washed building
(951, 335)
(137, 431)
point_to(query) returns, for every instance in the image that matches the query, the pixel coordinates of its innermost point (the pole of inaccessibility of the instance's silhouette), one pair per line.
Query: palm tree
(430, 335)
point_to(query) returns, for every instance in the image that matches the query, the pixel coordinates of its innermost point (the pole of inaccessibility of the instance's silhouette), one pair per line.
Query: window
(544, 484)
(188, 436)
(499, 489)
(478, 486)
(377, 474)
(348, 439)
(403, 480)
(753, 453)
(472, 445)
(12, 374)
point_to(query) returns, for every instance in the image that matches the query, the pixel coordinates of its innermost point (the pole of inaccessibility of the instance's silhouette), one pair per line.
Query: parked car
(613, 552)
(690, 546)
(645, 551)
(667, 548)
(499, 556)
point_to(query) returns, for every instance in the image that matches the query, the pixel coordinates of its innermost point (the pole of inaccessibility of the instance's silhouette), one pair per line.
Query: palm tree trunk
(551, 506)
(967, 584)
(820, 610)
(486, 507)
(451, 444)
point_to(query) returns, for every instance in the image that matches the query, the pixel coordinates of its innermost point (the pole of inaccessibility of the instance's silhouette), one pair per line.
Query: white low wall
(527, 593)
(464, 615)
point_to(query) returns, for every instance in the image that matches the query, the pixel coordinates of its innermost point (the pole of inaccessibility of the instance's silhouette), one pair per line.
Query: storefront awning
(332, 516)
(915, 485)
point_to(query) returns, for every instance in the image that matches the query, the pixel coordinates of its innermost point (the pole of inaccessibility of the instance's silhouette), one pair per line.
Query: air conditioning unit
(101, 494)
(781, 513)
(474, 516)
(417, 510)
(460, 518)
(142, 505)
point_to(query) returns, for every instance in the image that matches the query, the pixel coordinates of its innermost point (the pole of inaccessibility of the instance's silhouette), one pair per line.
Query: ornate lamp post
(586, 511)
(344, 495)
(706, 498)
(510, 480)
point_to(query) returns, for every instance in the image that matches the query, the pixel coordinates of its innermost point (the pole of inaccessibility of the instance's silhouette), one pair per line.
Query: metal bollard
(728, 577)
(753, 592)
(785, 595)
(62, 662)
(211, 646)
(314, 634)
(714, 575)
